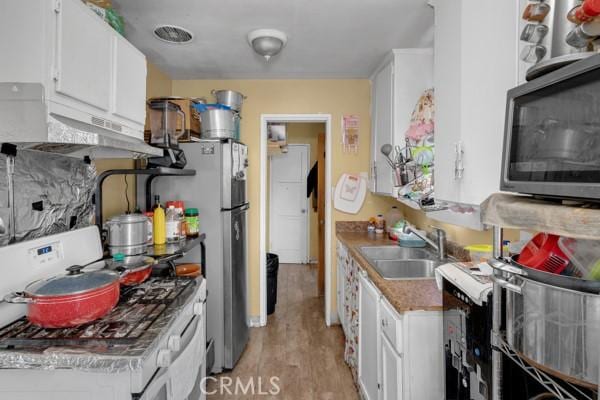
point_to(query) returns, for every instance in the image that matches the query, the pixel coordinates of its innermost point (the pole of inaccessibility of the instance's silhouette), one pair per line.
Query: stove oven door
(157, 389)
(186, 366)
(178, 380)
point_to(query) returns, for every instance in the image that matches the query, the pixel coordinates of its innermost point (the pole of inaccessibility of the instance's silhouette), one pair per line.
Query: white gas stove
(151, 346)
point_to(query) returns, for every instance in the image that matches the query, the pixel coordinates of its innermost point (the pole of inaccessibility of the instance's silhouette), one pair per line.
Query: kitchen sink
(402, 263)
(406, 269)
(374, 253)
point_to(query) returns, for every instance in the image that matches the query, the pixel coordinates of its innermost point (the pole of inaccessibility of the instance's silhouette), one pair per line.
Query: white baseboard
(254, 322)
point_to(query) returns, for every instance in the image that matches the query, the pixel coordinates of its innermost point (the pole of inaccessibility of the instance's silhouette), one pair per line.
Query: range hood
(25, 121)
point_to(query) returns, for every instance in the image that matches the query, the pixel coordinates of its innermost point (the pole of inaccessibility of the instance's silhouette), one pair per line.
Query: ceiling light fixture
(267, 42)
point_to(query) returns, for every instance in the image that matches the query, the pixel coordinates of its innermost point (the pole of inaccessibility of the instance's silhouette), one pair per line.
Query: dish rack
(561, 388)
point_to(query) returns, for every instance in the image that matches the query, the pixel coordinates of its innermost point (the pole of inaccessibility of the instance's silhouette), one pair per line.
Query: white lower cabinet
(400, 355)
(412, 364)
(368, 338)
(391, 371)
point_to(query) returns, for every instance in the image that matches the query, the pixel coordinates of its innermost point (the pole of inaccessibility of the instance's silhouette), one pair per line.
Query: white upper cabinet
(129, 82)
(82, 68)
(90, 73)
(471, 76)
(382, 117)
(396, 86)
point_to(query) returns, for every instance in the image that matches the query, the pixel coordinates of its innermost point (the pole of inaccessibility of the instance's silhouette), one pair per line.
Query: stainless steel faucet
(440, 246)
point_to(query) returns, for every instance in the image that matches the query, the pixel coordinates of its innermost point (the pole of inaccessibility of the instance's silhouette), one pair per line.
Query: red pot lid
(72, 283)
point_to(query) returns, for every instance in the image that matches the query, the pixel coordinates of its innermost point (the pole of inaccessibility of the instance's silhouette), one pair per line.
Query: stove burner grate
(138, 308)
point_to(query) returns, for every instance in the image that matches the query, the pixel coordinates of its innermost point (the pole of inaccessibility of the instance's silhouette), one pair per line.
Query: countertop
(405, 295)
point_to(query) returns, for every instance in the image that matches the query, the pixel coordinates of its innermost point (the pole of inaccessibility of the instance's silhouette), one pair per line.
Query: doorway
(310, 244)
(289, 212)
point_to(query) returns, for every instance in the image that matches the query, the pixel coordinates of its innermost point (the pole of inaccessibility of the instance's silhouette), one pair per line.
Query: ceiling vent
(173, 34)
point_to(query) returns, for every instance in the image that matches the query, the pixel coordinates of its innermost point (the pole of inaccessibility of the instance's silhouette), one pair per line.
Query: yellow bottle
(159, 223)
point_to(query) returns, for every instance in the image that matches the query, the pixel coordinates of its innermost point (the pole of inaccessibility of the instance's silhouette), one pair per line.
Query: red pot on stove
(71, 299)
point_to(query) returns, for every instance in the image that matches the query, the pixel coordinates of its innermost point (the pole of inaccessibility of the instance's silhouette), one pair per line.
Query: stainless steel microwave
(552, 134)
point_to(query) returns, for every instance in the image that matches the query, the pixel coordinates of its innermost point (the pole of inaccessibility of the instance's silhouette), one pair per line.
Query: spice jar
(192, 222)
(536, 12)
(585, 12)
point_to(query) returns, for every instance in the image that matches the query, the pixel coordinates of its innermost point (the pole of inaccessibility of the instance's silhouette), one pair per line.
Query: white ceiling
(326, 38)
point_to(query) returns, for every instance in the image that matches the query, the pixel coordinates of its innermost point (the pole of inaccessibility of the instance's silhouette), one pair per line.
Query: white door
(447, 83)
(289, 205)
(391, 371)
(368, 338)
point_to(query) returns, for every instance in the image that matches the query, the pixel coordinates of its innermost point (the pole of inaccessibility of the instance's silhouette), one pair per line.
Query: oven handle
(154, 387)
(188, 335)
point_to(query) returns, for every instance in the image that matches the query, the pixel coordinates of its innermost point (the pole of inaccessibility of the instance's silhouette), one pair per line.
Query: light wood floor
(295, 346)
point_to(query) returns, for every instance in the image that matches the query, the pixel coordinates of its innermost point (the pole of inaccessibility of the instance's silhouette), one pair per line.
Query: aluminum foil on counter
(53, 194)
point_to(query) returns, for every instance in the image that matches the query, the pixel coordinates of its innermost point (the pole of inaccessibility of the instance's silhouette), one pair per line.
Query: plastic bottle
(180, 208)
(173, 224)
(150, 229)
(159, 223)
(392, 217)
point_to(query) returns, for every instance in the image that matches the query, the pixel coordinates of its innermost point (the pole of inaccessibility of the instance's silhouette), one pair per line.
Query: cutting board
(350, 193)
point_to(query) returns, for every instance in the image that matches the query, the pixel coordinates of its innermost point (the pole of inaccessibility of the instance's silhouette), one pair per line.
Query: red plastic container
(543, 253)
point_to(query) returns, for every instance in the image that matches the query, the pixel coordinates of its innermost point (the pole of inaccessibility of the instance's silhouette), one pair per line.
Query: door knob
(303, 211)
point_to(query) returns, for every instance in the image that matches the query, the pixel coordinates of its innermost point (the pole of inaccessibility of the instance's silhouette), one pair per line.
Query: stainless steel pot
(229, 98)
(217, 124)
(127, 234)
(559, 140)
(554, 327)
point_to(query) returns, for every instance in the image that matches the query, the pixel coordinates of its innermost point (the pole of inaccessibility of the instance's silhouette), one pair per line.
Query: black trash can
(272, 269)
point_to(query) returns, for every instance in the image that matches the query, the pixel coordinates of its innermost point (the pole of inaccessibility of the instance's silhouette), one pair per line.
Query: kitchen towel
(465, 281)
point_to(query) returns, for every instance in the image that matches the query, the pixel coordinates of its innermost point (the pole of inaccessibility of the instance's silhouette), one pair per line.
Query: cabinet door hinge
(57, 6)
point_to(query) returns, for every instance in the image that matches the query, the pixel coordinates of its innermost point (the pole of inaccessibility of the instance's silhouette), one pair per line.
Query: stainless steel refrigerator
(218, 190)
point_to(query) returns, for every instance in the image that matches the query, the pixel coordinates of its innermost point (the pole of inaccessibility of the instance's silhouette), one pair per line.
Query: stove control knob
(163, 359)
(198, 308)
(174, 343)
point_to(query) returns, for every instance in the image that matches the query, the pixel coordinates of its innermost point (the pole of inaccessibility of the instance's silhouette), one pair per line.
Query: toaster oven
(552, 134)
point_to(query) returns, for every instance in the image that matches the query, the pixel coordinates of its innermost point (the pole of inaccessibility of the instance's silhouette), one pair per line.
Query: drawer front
(391, 325)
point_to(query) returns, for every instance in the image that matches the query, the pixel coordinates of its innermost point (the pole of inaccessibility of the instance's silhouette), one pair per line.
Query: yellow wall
(114, 200)
(335, 97)
(157, 82)
(303, 133)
